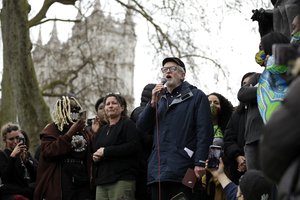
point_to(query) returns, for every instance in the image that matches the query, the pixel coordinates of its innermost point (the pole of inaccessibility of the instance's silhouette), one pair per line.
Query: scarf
(295, 38)
(271, 90)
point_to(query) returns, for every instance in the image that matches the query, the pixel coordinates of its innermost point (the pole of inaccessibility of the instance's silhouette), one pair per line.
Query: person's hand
(76, 127)
(199, 171)
(20, 147)
(216, 172)
(96, 124)
(98, 154)
(219, 173)
(24, 155)
(155, 94)
(241, 161)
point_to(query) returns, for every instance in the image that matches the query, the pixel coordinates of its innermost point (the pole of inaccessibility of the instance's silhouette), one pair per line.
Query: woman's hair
(62, 111)
(121, 100)
(7, 128)
(226, 110)
(241, 107)
(98, 102)
(272, 38)
(27, 141)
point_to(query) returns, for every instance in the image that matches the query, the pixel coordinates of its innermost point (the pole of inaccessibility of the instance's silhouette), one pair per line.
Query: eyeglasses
(171, 69)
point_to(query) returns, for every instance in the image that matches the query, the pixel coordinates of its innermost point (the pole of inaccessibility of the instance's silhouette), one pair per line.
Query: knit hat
(255, 186)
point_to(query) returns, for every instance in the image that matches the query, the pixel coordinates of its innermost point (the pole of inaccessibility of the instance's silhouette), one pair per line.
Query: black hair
(27, 141)
(226, 110)
(98, 102)
(241, 107)
(121, 100)
(272, 38)
(147, 94)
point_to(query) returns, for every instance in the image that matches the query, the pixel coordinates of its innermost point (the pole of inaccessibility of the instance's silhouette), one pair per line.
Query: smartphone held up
(82, 115)
(22, 140)
(214, 155)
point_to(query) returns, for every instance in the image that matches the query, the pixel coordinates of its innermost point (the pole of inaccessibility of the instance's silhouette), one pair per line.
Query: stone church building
(97, 59)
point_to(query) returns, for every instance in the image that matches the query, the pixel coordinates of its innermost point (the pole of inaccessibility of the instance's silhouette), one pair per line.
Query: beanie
(255, 186)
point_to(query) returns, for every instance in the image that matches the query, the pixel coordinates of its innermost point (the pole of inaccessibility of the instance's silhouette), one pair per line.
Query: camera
(22, 140)
(214, 155)
(82, 115)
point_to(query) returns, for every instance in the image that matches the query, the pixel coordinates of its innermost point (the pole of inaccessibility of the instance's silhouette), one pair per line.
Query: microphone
(162, 81)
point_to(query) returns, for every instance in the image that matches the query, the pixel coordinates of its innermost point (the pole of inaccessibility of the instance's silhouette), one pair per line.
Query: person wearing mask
(179, 116)
(221, 110)
(249, 93)
(272, 85)
(65, 158)
(279, 148)
(234, 140)
(115, 150)
(17, 167)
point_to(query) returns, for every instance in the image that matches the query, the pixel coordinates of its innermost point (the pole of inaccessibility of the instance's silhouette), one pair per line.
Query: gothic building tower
(97, 59)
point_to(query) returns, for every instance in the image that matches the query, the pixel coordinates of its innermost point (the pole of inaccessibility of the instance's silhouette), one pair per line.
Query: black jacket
(120, 154)
(234, 142)
(234, 135)
(13, 174)
(254, 123)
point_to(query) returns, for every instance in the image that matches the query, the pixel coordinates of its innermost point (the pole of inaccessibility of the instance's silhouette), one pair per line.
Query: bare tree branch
(42, 13)
(61, 20)
(161, 35)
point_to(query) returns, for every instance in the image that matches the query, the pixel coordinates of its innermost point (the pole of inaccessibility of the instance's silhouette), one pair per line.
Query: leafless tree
(171, 21)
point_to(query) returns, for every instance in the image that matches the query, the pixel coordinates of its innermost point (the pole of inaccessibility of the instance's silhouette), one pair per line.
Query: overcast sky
(236, 51)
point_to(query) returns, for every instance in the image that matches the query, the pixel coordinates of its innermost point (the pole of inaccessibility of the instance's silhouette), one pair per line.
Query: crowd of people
(161, 151)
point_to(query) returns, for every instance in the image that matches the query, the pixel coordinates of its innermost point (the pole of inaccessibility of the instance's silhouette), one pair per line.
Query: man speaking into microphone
(179, 115)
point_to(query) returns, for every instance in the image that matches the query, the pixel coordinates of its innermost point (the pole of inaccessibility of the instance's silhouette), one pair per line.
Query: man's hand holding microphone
(157, 90)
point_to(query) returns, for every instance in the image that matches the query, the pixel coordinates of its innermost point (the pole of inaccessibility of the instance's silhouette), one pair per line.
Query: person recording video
(253, 185)
(65, 158)
(17, 167)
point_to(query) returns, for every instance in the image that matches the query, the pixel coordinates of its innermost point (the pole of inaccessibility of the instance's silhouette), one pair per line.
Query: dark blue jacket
(230, 191)
(183, 127)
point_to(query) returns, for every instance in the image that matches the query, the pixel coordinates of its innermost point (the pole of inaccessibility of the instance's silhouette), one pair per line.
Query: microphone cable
(158, 152)
(163, 81)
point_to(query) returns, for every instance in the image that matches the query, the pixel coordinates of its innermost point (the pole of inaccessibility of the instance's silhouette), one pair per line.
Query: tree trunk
(22, 101)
